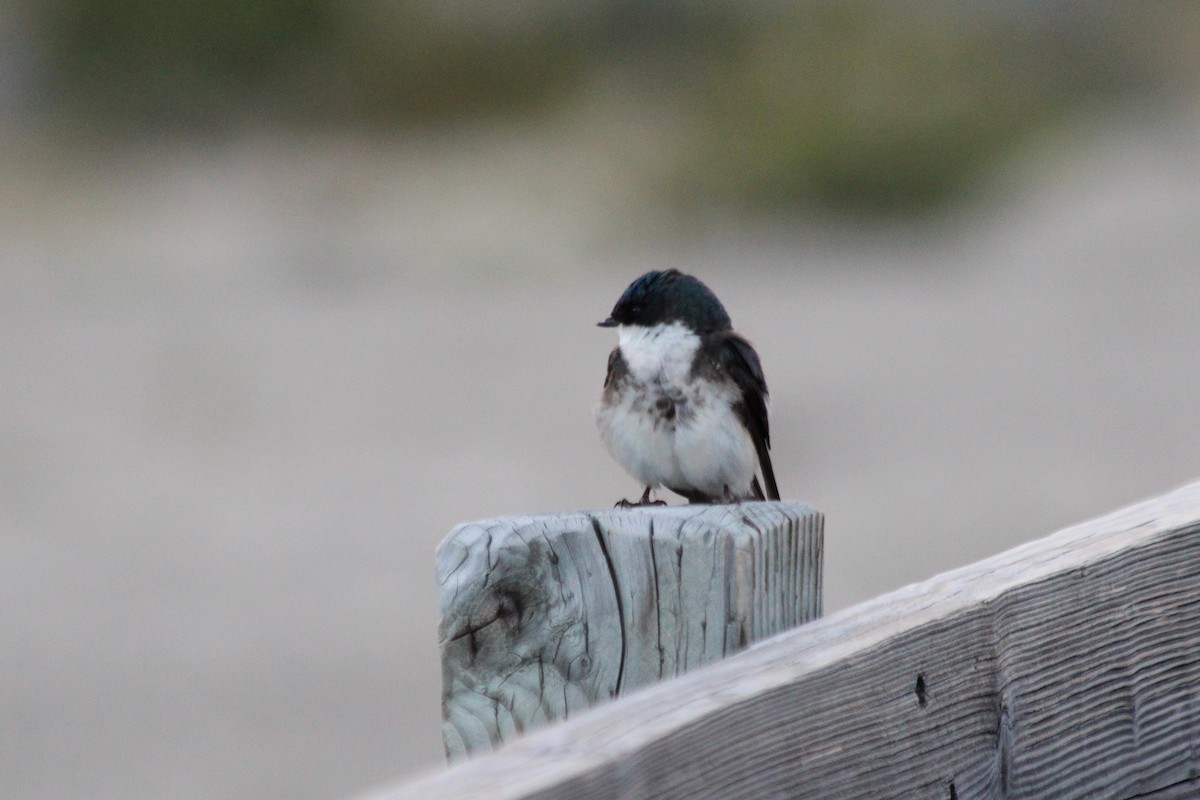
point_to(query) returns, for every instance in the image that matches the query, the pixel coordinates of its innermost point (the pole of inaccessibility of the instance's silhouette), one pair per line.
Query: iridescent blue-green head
(666, 297)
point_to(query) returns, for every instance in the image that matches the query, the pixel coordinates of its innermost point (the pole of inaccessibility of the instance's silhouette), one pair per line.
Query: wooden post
(1065, 668)
(548, 615)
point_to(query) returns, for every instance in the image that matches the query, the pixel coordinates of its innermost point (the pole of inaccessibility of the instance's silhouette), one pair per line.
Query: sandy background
(246, 390)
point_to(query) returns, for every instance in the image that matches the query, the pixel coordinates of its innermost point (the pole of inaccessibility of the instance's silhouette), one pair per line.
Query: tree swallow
(685, 401)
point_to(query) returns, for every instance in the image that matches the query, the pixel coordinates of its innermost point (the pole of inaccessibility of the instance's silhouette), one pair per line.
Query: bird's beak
(608, 323)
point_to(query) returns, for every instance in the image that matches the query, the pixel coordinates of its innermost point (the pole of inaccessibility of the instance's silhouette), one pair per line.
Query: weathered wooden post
(547, 615)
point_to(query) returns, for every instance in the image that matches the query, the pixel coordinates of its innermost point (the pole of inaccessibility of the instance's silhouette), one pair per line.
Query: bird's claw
(633, 504)
(644, 501)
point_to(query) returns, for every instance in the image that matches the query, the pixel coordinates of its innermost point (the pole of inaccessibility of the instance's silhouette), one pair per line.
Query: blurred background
(289, 288)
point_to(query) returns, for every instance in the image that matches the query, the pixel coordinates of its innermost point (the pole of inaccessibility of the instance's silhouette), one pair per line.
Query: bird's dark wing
(617, 369)
(741, 363)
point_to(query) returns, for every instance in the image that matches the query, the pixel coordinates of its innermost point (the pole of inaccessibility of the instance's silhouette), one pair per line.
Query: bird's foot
(644, 501)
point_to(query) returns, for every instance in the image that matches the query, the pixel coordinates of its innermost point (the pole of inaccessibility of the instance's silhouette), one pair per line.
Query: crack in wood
(1170, 790)
(612, 574)
(658, 607)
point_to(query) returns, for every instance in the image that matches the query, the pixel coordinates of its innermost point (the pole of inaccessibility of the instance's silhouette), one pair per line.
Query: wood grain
(1065, 668)
(547, 616)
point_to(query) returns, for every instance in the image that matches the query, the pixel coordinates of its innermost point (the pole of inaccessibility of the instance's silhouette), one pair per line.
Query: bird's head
(666, 297)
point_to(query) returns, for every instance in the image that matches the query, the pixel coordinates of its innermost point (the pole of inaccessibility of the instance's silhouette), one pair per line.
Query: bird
(684, 404)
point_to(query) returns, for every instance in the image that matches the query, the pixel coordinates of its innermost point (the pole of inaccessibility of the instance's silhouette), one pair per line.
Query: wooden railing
(1068, 667)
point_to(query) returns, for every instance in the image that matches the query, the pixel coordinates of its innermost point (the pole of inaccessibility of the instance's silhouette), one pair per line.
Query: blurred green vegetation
(857, 105)
(876, 106)
(134, 66)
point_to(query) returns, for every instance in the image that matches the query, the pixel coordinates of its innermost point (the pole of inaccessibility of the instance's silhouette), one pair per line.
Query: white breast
(661, 353)
(707, 448)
